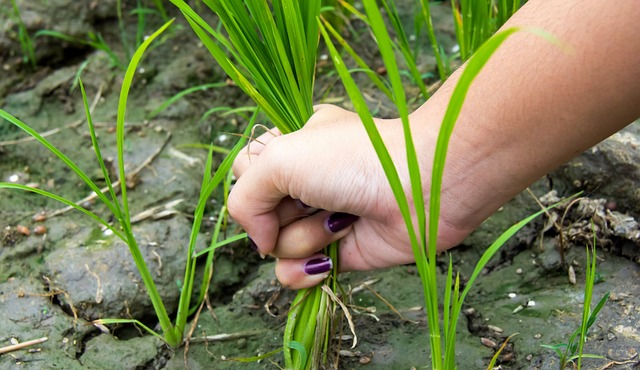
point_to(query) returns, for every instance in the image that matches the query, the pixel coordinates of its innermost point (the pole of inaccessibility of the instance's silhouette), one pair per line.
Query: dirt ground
(60, 272)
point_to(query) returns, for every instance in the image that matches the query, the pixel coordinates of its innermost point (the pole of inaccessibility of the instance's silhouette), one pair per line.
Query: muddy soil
(59, 272)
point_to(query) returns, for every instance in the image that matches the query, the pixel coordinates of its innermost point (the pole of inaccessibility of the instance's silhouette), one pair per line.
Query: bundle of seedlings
(118, 206)
(268, 48)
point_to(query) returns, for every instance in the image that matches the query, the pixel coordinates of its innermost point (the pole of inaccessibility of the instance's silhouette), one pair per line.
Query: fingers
(251, 152)
(303, 273)
(309, 235)
(291, 210)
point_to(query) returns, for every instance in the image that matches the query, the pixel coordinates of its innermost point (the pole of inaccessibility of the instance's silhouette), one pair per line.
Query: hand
(297, 193)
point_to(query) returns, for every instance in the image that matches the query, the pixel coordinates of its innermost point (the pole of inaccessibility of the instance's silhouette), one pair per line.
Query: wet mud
(60, 270)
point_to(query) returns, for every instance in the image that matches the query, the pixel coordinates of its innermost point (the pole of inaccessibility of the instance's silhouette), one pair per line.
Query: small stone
(518, 309)
(488, 343)
(23, 230)
(39, 217)
(572, 275)
(507, 357)
(519, 271)
(537, 336)
(364, 360)
(470, 311)
(495, 328)
(39, 230)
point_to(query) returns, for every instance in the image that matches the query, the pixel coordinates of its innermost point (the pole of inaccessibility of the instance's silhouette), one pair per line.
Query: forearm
(535, 105)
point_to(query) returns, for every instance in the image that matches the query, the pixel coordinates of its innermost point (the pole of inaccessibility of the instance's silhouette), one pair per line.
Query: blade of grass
(364, 67)
(26, 43)
(443, 70)
(183, 93)
(169, 334)
(96, 148)
(208, 186)
(83, 176)
(128, 321)
(402, 43)
(100, 220)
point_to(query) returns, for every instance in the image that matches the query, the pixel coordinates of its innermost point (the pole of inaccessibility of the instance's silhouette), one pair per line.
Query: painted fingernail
(252, 244)
(318, 266)
(340, 220)
(254, 247)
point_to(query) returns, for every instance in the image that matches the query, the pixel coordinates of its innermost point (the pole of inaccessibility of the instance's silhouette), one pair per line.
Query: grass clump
(95, 40)
(571, 352)
(269, 50)
(26, 42)
(172, 331)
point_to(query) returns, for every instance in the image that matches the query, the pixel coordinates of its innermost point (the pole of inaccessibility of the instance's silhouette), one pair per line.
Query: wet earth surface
(59, 270)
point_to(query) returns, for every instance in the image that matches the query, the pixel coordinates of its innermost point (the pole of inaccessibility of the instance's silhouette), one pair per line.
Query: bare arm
(533, 107)
(536, 105)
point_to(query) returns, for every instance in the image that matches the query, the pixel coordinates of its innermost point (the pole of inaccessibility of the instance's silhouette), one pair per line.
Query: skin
(533, 107)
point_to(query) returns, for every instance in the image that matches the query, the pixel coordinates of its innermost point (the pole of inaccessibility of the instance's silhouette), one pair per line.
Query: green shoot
(182, 94)
(401, 44)
(443, 69)
(571, 351)
(26, 43)
(93, 40)
(476, 20)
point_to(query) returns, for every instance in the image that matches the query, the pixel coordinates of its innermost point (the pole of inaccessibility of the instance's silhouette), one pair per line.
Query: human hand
(297, 193)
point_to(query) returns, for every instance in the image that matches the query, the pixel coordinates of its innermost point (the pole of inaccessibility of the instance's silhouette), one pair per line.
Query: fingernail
(254, 247)
(252, 244)
(302, 204)
(340, 220)
(318, 266)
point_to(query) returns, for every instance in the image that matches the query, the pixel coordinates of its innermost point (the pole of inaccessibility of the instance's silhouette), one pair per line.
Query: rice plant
(96, 41)
(269, 51)
(442, 340)
(571, 352)
(475, 21)
(26, 43)
(172, 332)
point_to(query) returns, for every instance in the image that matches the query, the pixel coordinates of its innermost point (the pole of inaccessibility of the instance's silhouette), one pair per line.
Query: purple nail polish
(318, 266)
(252, 244)
(340, 220)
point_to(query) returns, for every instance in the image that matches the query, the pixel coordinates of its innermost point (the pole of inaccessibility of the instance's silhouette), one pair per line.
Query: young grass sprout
(572, 351)
(172, 332)
(26, 43)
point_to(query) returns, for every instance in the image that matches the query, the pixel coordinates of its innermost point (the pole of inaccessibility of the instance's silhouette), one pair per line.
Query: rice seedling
(476, 21)
(269, 51)
(140, 12)
(96, 41)
(26, 43)
(572, 351)
(93, 40)
(182, 94)
(172, 332)
(442, 340)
